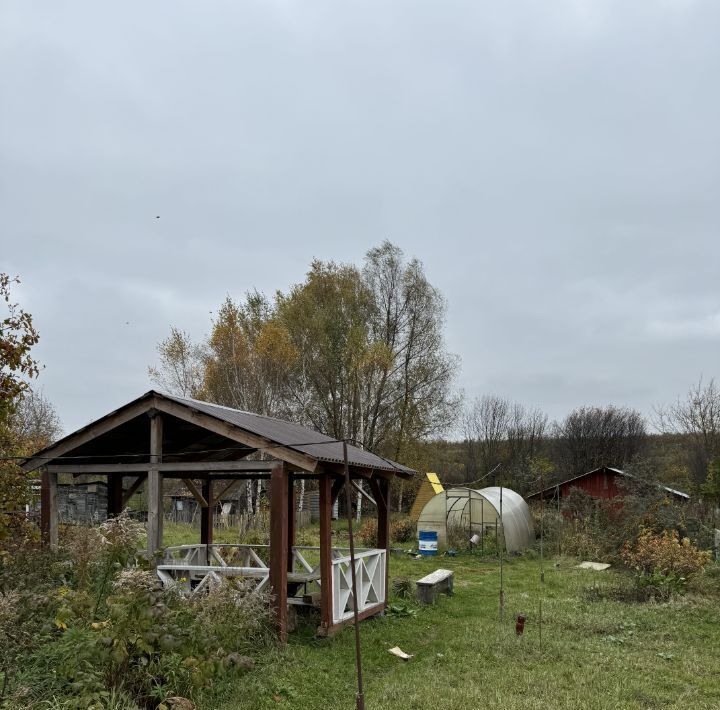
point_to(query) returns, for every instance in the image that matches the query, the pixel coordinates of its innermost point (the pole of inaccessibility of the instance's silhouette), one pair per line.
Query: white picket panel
(370, 580)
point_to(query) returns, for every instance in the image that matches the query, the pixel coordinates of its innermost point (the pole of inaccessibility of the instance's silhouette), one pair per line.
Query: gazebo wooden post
(291, 507)
(279, 546)
(155, 486)
(326, 588)
(206, 518)
(381, 491)
(49, 508)
(114, 494)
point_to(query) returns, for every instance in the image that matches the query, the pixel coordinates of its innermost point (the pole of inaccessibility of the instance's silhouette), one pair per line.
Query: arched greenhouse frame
(477, 512)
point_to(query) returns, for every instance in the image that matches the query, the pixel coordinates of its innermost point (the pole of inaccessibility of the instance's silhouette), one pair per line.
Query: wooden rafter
(225, 492)
(165, 468)
(306, 463)
(130, 492)
(197, 495)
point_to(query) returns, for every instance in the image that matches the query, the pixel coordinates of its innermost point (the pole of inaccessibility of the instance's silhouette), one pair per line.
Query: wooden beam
(337, 486)
(178, 467)
(90, 432)
(381, 491)
(130, 492)
(155, 487)
(378, 486)
(291, 508)
(362, 492)
(334, 628)
(326, 588)
(197, 495)
(228, 489)
(115, 495)
(49, 508)
(206, 514)
(279, 552)
(230, 431)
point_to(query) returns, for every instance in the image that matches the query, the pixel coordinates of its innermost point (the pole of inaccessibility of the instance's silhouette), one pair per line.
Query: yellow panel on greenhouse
(429, 488)
(435, 482)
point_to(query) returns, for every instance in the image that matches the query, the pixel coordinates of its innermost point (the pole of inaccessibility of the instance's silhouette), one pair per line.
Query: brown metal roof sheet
(293, 436)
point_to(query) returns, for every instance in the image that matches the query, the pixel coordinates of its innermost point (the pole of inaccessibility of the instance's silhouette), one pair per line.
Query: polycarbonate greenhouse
(471, 512)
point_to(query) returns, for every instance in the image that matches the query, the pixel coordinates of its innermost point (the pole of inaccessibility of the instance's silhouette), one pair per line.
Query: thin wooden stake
(359, 698)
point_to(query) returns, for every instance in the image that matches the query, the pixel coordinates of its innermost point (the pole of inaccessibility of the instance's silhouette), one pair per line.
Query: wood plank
(438, 575)
(381, 491)
(115, 495)
(155, 486)
(166, 468)
(334, 628)
(337, 486)
(49, 508)
(362, 492)
(291, 508)
(325, 505)
(255, 572)
(206, 514)
(196, 494)
(279, 552)
(306, 463)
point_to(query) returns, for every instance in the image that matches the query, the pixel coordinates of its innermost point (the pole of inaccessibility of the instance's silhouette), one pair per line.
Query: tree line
(359, 353)
(679, 444)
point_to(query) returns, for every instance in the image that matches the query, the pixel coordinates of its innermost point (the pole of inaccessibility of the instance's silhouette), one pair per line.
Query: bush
(663, 562)
(87, 627)
(367, 534)
(664, 554)
(402, 529)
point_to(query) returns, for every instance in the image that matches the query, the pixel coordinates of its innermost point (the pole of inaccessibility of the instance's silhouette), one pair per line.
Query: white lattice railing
(370, 580)
(195, 567)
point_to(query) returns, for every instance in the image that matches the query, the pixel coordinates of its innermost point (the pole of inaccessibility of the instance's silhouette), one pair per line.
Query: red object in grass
(520, 625)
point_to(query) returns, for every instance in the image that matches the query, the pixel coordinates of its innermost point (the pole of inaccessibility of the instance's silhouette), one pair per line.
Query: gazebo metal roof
(114, 438)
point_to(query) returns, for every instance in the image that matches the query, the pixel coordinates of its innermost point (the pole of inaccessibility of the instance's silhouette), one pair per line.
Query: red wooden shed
(600, 483)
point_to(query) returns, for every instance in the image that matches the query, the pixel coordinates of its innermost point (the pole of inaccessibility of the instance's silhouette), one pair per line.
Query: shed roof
(279, 437)
(610, 469)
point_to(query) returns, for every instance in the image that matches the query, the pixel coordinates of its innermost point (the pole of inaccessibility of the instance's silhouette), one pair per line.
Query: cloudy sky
(556, 166)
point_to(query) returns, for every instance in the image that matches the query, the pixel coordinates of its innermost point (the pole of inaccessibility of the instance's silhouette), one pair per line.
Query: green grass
(594, 654)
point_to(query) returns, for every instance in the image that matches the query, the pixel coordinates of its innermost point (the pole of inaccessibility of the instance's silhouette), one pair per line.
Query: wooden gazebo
(160, 436)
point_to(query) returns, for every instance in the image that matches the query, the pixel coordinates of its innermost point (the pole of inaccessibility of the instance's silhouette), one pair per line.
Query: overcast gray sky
(555, 165)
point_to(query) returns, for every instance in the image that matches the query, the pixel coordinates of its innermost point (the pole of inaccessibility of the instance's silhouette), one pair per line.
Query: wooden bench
(441, 580)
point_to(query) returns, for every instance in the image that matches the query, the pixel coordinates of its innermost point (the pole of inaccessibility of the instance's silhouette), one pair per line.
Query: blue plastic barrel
(427, 542)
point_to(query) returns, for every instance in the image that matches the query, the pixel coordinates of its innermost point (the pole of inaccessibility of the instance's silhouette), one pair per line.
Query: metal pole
(359, 698)
(540, 625)
(482, 526)
(470, 502)
(561, 522)
(542, 527)
(502, 530)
